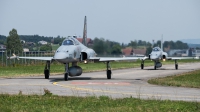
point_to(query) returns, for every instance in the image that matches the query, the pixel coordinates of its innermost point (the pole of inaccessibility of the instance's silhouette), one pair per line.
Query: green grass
(52, 103)
(55, 46)
(190, 79)
(26, 70)
(38, 69)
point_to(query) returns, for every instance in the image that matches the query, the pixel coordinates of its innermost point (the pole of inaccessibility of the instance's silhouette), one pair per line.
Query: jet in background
(13, 57)
(157, 55)
(72, 51)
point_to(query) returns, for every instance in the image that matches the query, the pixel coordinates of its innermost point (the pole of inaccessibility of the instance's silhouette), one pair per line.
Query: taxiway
(124, 83)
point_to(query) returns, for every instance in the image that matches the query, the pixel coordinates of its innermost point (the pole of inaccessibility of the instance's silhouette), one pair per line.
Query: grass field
(190, 79)
(20, 70)
(51, 103)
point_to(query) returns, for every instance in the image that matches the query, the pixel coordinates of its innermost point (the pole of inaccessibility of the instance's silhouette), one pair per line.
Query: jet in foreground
(72, 51)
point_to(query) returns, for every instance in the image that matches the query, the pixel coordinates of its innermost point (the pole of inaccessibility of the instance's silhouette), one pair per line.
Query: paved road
(124, 83)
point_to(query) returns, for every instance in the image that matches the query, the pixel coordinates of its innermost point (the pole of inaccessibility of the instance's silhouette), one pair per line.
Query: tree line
(100, 45)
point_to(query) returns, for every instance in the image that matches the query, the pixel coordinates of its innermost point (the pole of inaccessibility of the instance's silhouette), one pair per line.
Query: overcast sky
(115, 20)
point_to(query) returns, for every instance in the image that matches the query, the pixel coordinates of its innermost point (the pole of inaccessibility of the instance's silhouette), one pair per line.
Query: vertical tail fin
(85, 32)
(161, 43)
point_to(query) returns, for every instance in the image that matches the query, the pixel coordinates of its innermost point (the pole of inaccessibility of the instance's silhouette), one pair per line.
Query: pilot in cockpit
(68, 42)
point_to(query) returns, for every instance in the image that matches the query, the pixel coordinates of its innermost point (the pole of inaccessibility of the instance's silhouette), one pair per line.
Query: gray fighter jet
(13, 57)
(72, 51)
(157, 55)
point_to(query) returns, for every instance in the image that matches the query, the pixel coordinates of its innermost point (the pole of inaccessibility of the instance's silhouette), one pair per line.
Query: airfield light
(163, 59)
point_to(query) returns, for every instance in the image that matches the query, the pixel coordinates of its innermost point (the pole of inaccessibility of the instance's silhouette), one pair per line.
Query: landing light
(164, 60)
(85, 61)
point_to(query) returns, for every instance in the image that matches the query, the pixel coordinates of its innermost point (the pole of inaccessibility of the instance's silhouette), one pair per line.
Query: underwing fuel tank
(158, 64)
(75, 71)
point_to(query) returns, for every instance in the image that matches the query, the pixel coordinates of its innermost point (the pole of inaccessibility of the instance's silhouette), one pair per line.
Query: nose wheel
(66, 75)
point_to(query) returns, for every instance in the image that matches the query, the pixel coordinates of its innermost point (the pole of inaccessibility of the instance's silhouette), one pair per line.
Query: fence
(11, 62)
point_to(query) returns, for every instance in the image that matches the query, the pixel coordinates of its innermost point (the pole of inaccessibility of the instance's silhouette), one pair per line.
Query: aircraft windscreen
(156, 49)
(68, 42)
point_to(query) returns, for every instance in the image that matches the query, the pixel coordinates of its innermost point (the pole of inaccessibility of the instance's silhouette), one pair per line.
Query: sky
(116, 20)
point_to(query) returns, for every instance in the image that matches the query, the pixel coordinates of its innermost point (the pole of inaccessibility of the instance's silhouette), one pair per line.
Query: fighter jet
(157, 55)
(72, 51)
(13, 57)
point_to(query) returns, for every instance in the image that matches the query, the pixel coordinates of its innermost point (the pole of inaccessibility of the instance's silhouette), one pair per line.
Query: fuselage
(71, 51)
(157, 54)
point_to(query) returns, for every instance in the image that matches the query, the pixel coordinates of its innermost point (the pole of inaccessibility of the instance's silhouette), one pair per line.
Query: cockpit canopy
(68, 42)
(156, 49)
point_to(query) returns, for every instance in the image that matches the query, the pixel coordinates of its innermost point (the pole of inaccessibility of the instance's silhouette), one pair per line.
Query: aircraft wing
(179, 58)
(38, 58)
(115, 58)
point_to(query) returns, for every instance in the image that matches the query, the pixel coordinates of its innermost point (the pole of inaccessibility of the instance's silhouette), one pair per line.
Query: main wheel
(109, 74)
(46, 74)
(176, 66)
(66, 76)
(142, 66)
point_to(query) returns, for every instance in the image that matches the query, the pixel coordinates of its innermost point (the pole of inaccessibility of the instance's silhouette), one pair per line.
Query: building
(178, 52)
(2, 48)
(89, 41)
(42, 42)
(25, 49)
(30, 43)
(133, 52)
(184, 52)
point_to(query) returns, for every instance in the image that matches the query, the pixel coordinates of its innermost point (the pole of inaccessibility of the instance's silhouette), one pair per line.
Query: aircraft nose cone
(61, 55)
(153, 57)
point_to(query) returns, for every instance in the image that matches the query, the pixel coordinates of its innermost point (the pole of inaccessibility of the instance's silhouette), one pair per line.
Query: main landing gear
(109, 72)
(176, 65)
(142, 64)
(155, 65)
(46, 70)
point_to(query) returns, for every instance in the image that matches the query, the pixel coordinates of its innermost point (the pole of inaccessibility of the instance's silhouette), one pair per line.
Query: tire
(176, 66)
(46, 74)
(66, 76)
(142, 66)
(109, 74)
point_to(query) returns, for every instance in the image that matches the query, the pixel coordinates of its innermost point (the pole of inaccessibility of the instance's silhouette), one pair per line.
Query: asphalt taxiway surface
(124, 83)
